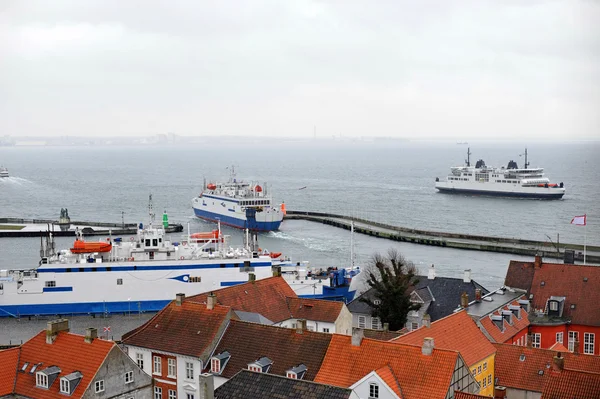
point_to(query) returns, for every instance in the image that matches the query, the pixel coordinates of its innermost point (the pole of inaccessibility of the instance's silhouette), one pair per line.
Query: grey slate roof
(253, 317)
(250, 385)
(446, 292)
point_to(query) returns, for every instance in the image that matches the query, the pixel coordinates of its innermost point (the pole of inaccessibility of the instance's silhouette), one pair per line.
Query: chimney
(529, 339)
(357, 336)
(251, 277)
(576, 346)
(431, 273)
(211, 301)
(499, 392)
(386, 326)
(427, 320)
(207, 386)
(179, 299)
(467, 276)
(54, 327)
(276, 271)
(428, 345)
(464, 300)
(300, 326)
(538, 262)
(90, 334)
(478, 295)
(558, 363)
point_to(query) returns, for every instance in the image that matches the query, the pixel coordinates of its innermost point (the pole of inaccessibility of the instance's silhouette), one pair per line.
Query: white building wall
(343, 324)
(362, 390)
(311, 325)
(185, 385)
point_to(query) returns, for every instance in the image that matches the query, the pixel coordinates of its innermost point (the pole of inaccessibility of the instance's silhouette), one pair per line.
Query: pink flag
(579, 220)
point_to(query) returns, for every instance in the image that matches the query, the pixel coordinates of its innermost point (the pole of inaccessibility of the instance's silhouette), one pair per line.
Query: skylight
(25, 366)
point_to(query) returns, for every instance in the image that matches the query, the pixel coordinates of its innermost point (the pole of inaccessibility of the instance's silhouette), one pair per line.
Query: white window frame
(589, 343)
(99, 385)
(559, 337)
(189, 370)
(65, 387)
(41, 380)
(536, 340)
(291, 375)
(553, 305)
(129, 377)
(157, 393)
(414, 326)
(139, 359)
(375, 323)
(479, 369)
(172, 394)
(215, 365)
(156, 365)
(573, 336)
(325, 330)
(484, 382)
(190, 396)
(373, 390)
(172, 367)
(254, 368)
(362, 321)
(484, 366)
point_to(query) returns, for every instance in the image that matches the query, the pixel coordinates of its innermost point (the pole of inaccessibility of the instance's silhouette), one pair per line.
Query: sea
(387, 181)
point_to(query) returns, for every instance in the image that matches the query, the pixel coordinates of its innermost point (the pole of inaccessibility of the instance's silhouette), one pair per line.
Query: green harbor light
(165, 220)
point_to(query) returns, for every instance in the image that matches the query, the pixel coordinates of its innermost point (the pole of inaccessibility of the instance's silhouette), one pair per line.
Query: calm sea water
(387, 182)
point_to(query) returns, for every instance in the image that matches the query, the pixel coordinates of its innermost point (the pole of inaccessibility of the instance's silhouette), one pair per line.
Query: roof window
(218, 362)
(25, 366)
(262, 365)
(69, 382)
(45, 378)
(297, 372)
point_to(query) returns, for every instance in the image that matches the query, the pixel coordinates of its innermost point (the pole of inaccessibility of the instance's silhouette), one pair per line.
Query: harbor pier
(454, 240)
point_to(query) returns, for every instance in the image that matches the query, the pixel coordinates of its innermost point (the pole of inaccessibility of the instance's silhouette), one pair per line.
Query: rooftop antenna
(468, 156)
(150, 209)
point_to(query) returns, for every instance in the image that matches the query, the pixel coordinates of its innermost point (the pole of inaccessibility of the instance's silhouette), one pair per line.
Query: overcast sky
(414, 69)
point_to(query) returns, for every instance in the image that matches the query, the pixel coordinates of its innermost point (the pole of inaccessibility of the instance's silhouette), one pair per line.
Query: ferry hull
(513, 194)
(256, 225)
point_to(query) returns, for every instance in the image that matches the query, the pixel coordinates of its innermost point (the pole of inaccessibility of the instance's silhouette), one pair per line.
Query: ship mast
(468, 156)
(526, 163)
(150, 209)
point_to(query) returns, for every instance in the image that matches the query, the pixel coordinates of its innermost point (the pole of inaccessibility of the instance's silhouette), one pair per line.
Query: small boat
(3, 172)
(83, 247)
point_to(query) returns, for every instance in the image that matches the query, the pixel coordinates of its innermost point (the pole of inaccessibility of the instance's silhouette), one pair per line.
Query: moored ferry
(139, 274)
(509, 181)
(245, 205)
(3, 172)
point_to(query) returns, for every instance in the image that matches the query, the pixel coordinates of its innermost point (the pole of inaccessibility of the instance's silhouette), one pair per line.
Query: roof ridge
(286, 378)
(17, 369)
(144, 326)
(581, 371)
(437, 321)
(405, 344)
(389, 367)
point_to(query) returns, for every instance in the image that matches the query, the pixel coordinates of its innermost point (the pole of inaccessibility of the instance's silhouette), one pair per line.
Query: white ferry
(244, 205)
(139, 274)
(511, 181)
(3, 172)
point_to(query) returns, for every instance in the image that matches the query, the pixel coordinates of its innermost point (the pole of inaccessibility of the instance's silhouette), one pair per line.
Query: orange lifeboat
(82, 247)
(205, 236)
(275, 255)
(258, 188)
(211, 186)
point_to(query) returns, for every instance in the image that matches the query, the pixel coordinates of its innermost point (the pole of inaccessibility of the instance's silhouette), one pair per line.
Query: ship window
(168, 254)
(147, 242)
(119, 281)
(151, 253)
(195, 279)
(155, 242)
(50, 283)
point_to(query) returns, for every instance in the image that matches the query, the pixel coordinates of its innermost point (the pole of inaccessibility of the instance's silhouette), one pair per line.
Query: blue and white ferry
(245, 205)
(143, 273)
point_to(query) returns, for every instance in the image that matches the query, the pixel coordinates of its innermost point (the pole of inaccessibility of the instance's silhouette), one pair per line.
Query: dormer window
(516, 310)
(41, 380)
(64, 386)
(296, 373)
(555, 306)
(45, 378)
(69, 382)
(262, 365)
(218, 362)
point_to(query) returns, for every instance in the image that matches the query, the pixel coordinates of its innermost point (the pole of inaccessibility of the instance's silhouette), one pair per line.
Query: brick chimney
(207, 386)
(211, 301)
(467, 276)
(538, 262)
(478, 294)
(427, 320)
(357, 336)
(276, 271)
(576, 346)
(179, 299)
(251, 277)
(558, 363)
(431, 273)
(90, 334)
(529, 338)
(54, 327)
(428, 346)
(464, 300)
(499, 392)
(300, 326)
(386, 326)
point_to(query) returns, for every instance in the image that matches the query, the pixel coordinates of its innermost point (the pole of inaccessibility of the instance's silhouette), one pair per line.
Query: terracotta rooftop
(456, 332)
(570, 384)
(528, 368)
(266, 296)
(189, 329)
(558, 347)
(9, 360)
(69, 352)
(250, 385)
(390, 379)
(464, 395)
(247, 342)
(577, 283)
(419, 376)
(508, 330)
(314, 309)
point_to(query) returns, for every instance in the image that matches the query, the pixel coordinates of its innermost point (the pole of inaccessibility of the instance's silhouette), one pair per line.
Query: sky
(424, 69)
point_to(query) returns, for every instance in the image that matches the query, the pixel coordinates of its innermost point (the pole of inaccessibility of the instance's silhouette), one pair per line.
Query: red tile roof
(558, 347)
(419, 376)
(387, 375)
(509, 329)
(315, 309)
(70, 353)
(570, 384)
(455, 332)
(9, 360)
(266, 296)
(561, 280)
(464, 395)
(247, 342)
(190, 329)
(525, 374)
(382, 335)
